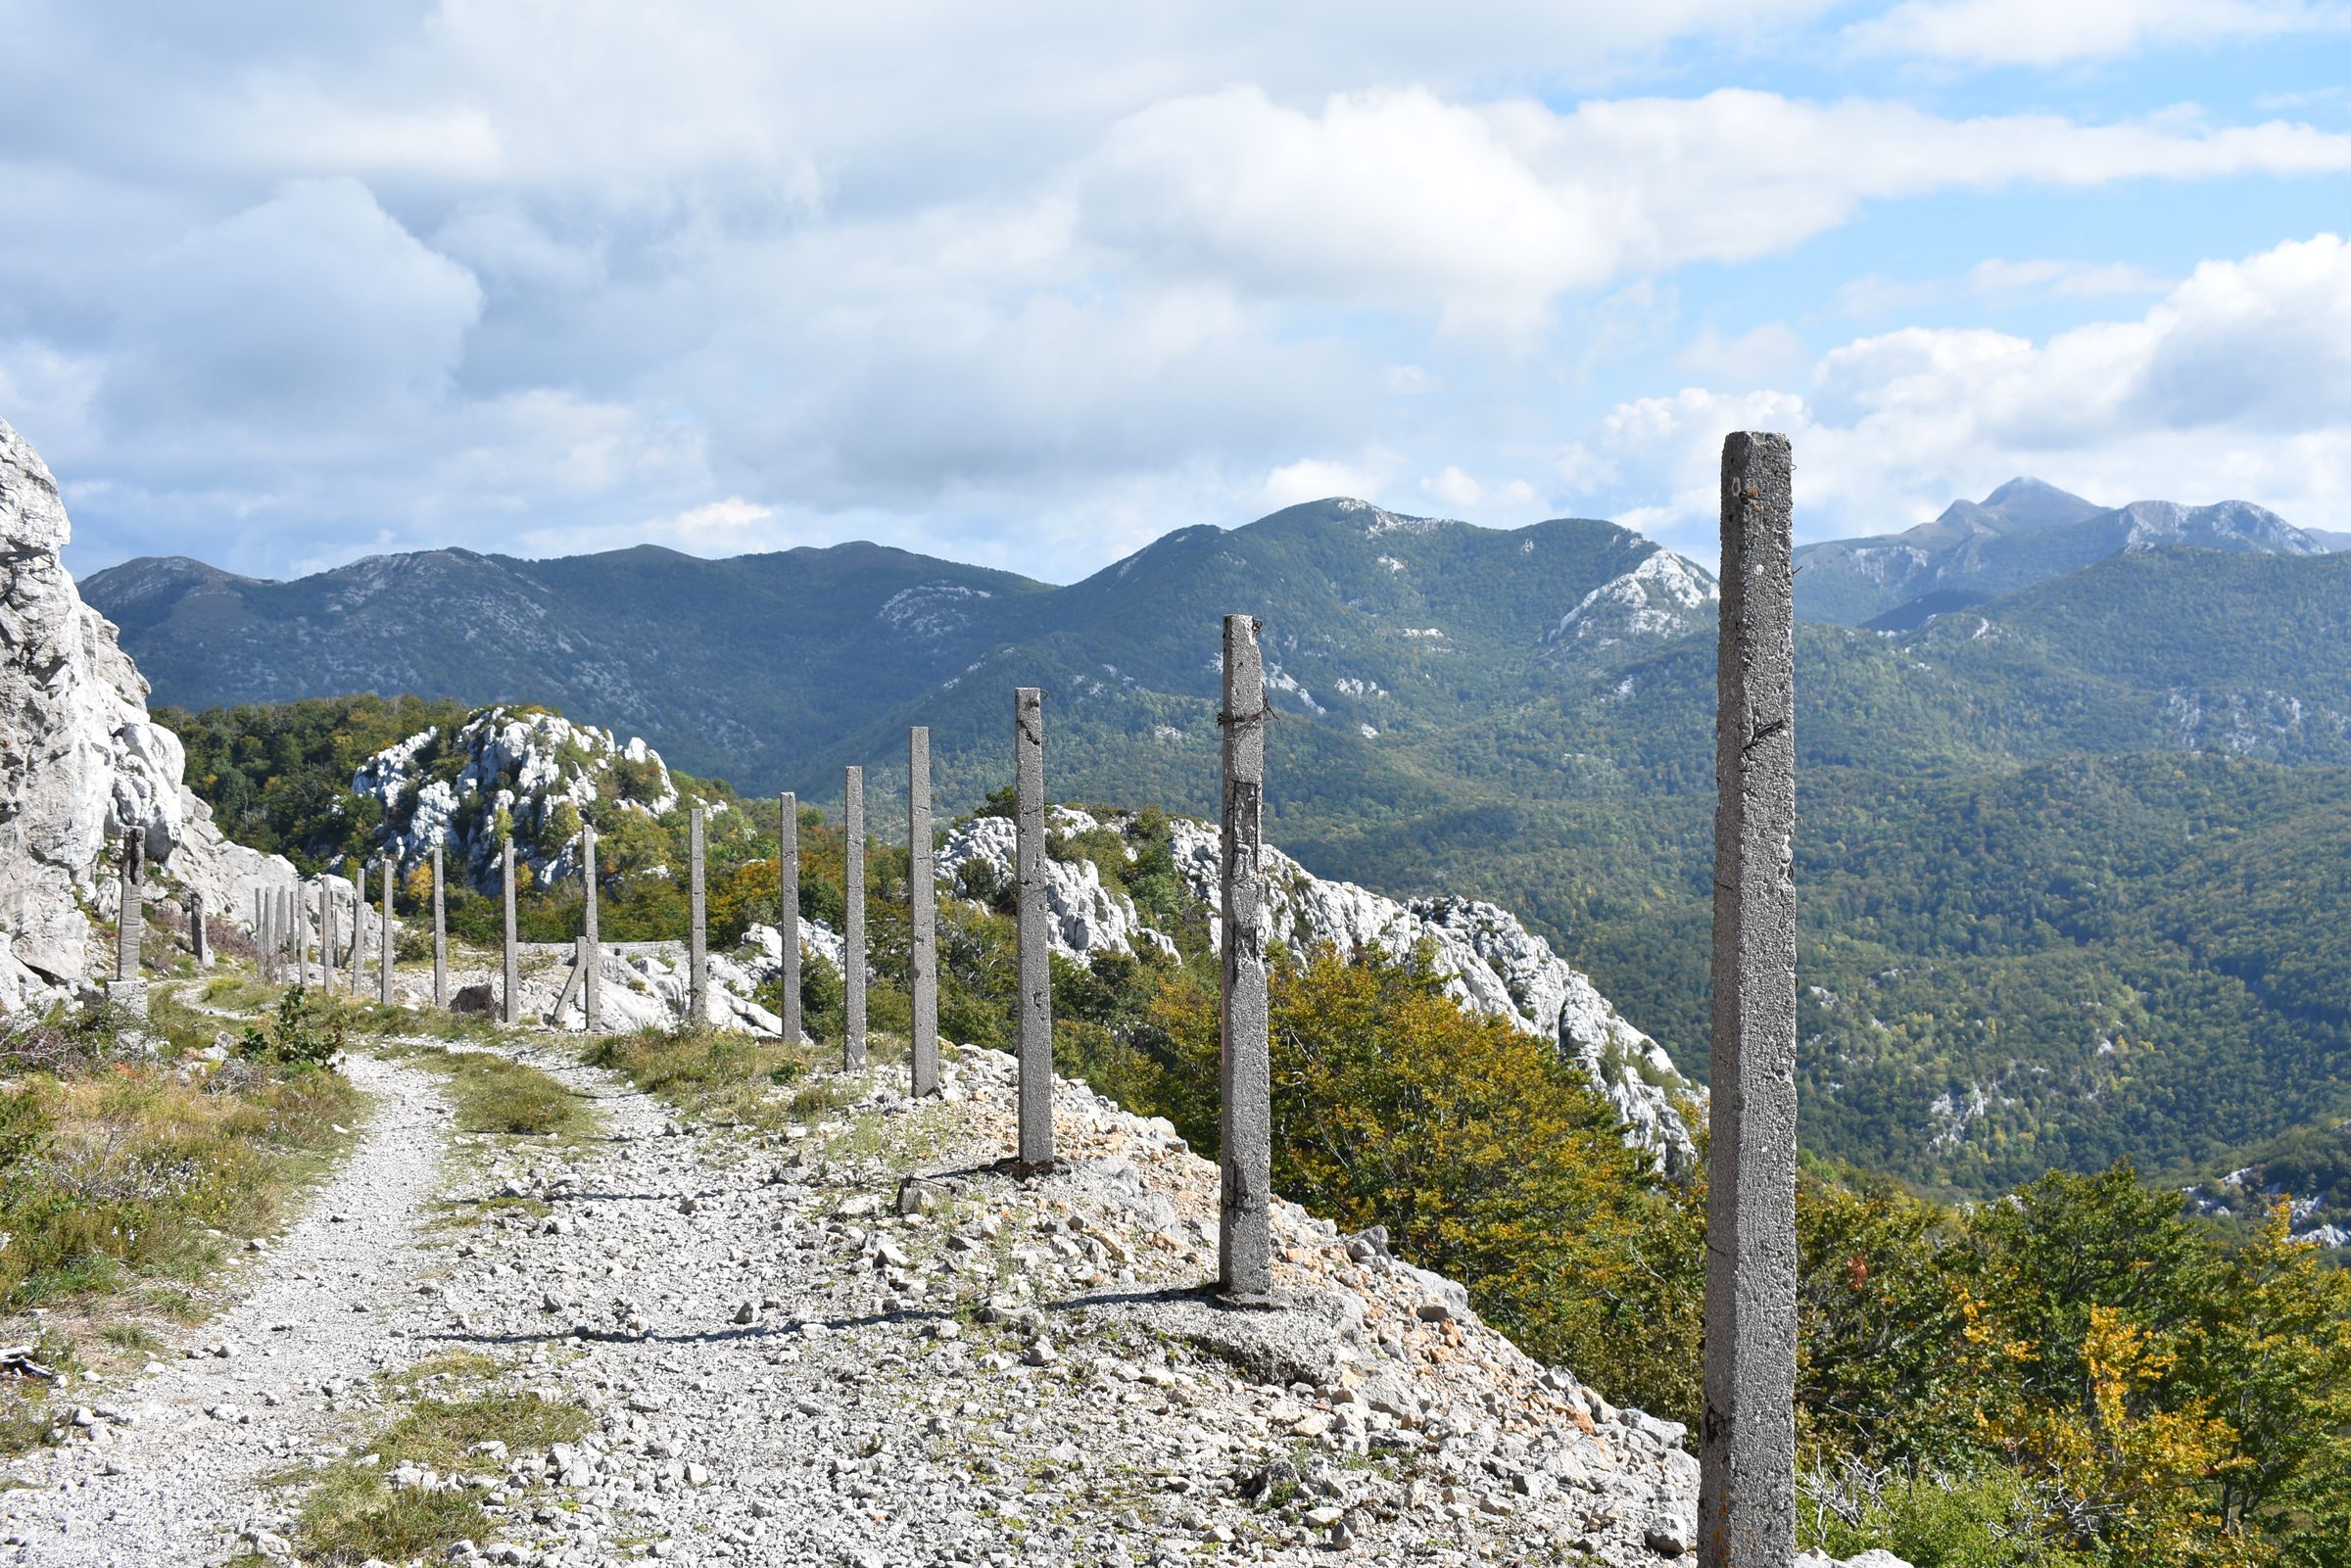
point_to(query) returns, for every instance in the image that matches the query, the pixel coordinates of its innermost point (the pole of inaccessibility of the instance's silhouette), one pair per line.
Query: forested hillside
(2016, 819)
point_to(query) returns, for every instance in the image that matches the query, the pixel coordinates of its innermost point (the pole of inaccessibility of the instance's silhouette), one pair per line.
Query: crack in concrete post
(1035, 1042)
(1746, 1454)
(1245, 1174)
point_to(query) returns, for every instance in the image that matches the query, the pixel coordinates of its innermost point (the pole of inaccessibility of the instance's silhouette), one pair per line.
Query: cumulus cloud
(2237, 380)
(2035, 32)
(312, 307)
(736, 276)
(1488, 212)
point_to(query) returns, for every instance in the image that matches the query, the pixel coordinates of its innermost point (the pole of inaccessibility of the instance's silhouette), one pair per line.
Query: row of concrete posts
(1747, 1501)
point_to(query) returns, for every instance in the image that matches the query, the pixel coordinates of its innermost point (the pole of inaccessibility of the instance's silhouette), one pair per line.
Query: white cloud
(2039, 32)
(1453, 487)
(1484, 214)
(313, 306)
(2238, 380)
(1760, 355)
(1320, 478)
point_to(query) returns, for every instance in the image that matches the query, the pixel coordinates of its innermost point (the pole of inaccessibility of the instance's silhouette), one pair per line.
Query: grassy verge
(126, 1177)
(454, 1405)
(495, 1094)
(718, 1076)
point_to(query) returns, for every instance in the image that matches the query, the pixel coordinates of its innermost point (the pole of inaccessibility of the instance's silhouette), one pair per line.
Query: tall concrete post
(510, 1007)
(328, 936)
(285, 928)
(698, 977)
(359, 929)
(261, 932)
(788, 865)
(130, 907)
(440, 938)
(200, 940)
(852, 934)
(1746, 1436)
(1246, 1184)
(128, 991)
(592, 952)
(1034, 1033)
(922, 901)
(384, 959)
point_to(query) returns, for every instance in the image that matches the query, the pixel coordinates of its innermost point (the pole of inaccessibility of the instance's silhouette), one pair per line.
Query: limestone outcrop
(82, 764)
(1491, 963)
(533, 771)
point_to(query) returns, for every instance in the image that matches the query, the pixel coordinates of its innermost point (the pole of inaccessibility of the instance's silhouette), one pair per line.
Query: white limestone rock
(1491, 963)
(80, 762)
(1086, 918)
(532, 765)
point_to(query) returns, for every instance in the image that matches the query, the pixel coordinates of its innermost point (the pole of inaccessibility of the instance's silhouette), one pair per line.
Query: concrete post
(1747, 1452)
(285, 928)
(591, 950)
(1035, 1026)
(328, 936)
(510, 1005)
(130, 907)
(698, 977)
(359, 929)
(853, 936)
(384, 958)
(440, 938)
(788, 865)
(260, 931)
(921, 899)
(1245, 1178)
(129, 993)
(200, 940)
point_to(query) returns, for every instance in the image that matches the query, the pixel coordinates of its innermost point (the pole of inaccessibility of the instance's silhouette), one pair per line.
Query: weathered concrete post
(128, 991)
(359, 929)
(261, 932)
(1747, 1449)
(592, 952)
(852, 932)
(1245, 1185)
(328, 936)
(384, 959)
(285, 930)
(922, 898)
(200, 940)
(130, 907)
(440, 938)
(1035, 1026)
(511, 1004)
(788, 865)
(697, 978)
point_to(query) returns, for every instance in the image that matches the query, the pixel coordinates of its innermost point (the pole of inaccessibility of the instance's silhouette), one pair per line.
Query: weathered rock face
(1491, 963)
(1085, 918)
(537, 770)
(81, 764)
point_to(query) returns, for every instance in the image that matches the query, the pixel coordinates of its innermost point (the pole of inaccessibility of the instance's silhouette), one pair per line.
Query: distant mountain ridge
(2023, 533)
(1527, 717)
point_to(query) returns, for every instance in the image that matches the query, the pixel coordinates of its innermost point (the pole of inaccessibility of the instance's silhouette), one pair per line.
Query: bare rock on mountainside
(536, 770)
(79, 762)
(1490, 963)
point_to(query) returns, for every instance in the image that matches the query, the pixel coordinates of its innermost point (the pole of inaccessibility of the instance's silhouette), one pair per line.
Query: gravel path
(792, 1357)
(170, 1477)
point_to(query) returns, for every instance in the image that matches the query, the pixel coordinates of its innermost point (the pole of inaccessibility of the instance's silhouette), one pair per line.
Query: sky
(1030, 283)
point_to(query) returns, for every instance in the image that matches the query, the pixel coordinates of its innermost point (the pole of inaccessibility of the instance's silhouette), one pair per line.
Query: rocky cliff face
(79, 763)
(1491, 963)
(523, 771)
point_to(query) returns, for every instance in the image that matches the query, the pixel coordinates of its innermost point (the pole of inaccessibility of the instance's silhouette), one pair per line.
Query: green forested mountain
(2068, 858)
